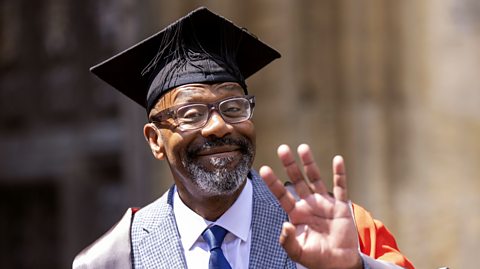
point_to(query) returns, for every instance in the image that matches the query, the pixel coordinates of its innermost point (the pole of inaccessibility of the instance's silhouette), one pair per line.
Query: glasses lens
(235, 110)
(192, 116)
(195, 116)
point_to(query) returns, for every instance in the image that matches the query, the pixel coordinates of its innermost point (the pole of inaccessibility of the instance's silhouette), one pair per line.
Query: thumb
(289, 241)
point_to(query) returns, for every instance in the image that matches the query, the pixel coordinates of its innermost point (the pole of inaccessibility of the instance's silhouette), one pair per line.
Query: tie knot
(214, 236)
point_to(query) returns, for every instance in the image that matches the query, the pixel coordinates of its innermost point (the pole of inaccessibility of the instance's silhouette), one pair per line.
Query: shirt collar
(237, 219)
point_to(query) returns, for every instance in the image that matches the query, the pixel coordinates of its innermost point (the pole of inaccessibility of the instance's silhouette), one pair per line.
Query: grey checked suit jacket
(156, 242)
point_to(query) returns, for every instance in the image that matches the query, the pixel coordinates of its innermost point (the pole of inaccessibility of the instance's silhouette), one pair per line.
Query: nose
(216, 126)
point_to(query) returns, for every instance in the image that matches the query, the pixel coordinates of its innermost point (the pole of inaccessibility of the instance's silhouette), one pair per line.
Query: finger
(289, 241)
(286, 199)
(339, 179)
(311, 169)
(293, 172)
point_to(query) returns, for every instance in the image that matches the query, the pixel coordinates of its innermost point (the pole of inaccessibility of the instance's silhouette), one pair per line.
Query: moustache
(244, 145)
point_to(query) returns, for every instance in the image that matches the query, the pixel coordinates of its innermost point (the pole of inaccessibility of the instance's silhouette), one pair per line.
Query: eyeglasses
(196, 115)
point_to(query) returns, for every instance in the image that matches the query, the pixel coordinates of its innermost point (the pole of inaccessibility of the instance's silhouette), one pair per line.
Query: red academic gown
(376, 240)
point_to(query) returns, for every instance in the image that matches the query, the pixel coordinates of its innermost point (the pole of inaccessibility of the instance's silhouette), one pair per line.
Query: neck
(209, 207)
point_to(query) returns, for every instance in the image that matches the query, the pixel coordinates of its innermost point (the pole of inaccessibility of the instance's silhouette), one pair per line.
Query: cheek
(175, 145)
(247, 129)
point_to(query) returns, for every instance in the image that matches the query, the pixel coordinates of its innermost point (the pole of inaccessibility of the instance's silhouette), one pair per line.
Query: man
(190, 77)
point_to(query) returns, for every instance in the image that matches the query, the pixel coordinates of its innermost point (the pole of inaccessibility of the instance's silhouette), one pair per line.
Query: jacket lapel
(267, 220)
(158, 241)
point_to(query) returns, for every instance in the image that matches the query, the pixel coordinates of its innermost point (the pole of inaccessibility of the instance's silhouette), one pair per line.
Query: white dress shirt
(237, 220)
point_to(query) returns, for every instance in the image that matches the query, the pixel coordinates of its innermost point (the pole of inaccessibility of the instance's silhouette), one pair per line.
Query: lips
(218, 147)
(218, 150)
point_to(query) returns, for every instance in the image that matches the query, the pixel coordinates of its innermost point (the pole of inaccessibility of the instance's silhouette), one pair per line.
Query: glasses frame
(161, 117)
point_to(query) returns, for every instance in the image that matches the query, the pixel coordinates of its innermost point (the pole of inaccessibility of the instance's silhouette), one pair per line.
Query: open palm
(321, 232)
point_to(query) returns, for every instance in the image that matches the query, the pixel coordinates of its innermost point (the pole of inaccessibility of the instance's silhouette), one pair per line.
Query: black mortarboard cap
(201, 47)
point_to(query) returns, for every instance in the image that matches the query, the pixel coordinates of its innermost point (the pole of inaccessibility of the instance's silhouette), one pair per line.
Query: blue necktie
(214, 237)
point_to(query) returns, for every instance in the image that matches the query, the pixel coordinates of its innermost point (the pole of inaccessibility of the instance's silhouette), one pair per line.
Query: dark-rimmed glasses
(196, 115)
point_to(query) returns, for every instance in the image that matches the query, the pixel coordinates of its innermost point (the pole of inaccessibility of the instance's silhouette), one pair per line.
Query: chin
(219, 181)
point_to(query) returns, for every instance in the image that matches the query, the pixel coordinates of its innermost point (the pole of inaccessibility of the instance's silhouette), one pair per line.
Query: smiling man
(205, 133)
(190, 77)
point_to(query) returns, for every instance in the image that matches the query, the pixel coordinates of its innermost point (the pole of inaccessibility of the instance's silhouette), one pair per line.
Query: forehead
(201, 93)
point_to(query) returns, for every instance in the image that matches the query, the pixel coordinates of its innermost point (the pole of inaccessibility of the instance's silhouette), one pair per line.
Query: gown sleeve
(376, 240)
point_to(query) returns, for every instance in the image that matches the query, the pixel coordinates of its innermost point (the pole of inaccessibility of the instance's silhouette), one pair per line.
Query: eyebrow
(192, 91)
(185, 94)
(229, 86)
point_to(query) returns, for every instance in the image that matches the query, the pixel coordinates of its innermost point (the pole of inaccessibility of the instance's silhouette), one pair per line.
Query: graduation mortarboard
(201, 47)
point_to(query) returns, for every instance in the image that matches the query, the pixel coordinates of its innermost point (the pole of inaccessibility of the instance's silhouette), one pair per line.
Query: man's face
(213, 160)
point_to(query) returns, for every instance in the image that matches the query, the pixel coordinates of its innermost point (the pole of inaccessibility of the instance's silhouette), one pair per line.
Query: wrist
(358, 264)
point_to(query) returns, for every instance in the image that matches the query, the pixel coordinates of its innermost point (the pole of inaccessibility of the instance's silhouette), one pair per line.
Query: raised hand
(321, 232)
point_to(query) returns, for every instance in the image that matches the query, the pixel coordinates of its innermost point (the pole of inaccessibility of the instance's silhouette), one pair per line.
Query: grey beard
(220, 180)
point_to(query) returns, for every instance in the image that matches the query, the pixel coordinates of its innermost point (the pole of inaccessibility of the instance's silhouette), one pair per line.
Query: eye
(231, 109)
(234, 108)
(191, 113)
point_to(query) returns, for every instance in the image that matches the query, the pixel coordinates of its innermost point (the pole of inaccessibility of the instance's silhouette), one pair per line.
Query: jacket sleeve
(376, 240)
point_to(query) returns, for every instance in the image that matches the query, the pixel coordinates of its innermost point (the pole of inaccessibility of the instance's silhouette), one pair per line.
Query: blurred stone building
(392, 86)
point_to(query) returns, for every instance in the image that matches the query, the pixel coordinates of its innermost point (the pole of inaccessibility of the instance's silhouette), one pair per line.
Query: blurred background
(391, 85)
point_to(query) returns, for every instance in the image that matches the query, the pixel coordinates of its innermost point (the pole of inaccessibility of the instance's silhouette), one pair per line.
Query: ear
(154, 140)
